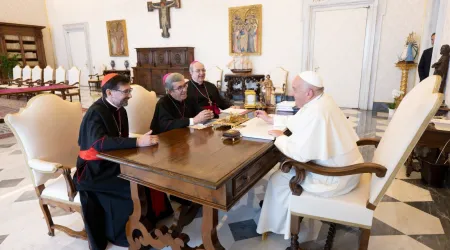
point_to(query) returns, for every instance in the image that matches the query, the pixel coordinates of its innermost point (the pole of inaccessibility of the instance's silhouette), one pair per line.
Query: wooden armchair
(48, 76)
(60, 75)
(36, 76)
(73, 76)
(50, 150)
(357, 207)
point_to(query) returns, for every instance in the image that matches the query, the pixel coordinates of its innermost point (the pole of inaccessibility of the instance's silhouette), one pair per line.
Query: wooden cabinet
(154, 63)
(25, 41)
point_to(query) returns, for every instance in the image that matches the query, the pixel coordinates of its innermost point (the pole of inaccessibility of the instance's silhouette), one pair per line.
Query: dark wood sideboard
(154, 63)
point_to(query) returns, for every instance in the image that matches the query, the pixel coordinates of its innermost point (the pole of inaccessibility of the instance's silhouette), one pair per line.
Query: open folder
(259, 129)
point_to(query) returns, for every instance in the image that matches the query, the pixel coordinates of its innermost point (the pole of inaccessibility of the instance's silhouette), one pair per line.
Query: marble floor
(410, 216)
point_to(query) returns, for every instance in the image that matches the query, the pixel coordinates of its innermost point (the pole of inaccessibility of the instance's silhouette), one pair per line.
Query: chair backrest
(73, 75)
(214, 74)
(404, 131)
(279, 77)
(47, 129)
(17, 72)
(140, 109)
(48, 74)
(26, 73)
(36, 73)
(60, 75)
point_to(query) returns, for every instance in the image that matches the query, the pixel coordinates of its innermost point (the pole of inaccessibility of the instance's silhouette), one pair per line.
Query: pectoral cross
(210, 102)
(164, 13)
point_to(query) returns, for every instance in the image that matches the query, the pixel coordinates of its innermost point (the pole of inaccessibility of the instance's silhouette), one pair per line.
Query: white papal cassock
(322, 134)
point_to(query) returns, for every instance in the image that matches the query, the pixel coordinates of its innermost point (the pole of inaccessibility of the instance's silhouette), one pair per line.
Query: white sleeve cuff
(44, 166)
(191, 121)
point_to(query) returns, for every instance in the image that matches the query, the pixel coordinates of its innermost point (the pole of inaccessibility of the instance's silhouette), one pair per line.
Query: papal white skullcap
(312, 78)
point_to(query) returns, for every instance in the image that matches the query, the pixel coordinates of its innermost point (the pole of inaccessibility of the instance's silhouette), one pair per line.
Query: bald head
(198, 72)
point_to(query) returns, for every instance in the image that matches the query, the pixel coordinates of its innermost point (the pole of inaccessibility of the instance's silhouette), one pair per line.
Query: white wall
(203, 24)
(31, 12)
(402, 17)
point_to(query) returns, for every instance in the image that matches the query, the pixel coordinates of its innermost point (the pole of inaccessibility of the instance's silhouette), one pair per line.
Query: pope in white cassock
(321, 134)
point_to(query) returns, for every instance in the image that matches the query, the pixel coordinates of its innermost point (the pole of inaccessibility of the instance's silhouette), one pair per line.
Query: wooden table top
(195, 156)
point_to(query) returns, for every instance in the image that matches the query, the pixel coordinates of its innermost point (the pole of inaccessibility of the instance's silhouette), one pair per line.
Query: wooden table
(195, 165)
(30, 90)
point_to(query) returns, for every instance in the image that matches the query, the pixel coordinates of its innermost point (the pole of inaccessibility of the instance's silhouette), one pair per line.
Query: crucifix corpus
(164, 13)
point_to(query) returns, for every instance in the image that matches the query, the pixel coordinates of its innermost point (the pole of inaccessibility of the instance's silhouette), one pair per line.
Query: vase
(113, 64)
(127, 64)
(391, 112)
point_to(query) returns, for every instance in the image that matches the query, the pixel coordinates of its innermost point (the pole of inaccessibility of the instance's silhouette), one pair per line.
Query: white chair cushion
(58, 191)
(44, 166)
(348, 209)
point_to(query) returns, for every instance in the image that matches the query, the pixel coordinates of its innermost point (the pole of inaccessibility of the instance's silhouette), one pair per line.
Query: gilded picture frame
(117, 37)
(245, 30)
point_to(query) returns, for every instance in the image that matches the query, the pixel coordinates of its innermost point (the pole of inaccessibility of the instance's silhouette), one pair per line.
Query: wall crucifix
(164, 14)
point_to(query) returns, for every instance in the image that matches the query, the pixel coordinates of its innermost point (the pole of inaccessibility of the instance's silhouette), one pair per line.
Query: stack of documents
(286, 106)
(234, 111)
(259, 129)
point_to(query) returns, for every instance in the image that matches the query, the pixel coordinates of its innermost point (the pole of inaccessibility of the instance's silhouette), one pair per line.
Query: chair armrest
(368, 141)
(71, 191)
(301, 168)
(44, 166)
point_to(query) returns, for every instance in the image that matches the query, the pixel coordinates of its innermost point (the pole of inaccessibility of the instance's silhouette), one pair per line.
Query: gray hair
(317, 91)
(172, 78)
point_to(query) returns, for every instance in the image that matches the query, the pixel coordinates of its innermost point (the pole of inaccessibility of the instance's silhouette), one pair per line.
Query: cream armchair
(140, 110)
(47, 132)
(279, 78)
(357, 207)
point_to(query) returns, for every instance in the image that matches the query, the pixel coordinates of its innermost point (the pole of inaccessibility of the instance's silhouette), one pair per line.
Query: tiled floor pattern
(410, 216)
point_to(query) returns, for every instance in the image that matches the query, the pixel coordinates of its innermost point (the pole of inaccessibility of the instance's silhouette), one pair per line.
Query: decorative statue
(410, 50)
(268, 98)
(441, 66)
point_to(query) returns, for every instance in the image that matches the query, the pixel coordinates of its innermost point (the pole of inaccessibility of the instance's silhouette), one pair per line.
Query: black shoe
(261, 203)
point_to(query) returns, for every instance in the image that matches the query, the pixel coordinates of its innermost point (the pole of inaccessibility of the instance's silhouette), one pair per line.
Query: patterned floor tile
(7, 145)
(435, 242)
(387, 198)
(2, 238)
(404, 191)
(243, 230)
(395, 242)
(381, 228)
(16, 152)
(27, 196)
(407, 219)
(10, 183)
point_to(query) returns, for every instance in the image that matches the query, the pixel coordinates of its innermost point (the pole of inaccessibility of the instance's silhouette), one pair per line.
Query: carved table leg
(209, 233)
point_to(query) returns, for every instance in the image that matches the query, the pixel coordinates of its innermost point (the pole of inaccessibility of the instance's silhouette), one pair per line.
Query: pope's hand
(147, 140)
(263, 115)
(276, 133)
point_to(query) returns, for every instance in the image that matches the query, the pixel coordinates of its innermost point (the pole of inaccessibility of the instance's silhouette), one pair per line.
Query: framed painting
(245, 28)
(117, 37)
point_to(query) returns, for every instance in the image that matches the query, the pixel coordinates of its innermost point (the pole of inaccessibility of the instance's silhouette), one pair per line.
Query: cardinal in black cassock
(176, 110)
(105, 198)
(203, 92)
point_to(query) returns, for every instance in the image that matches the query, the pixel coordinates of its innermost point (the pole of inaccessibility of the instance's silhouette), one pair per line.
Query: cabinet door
(178, 58)
(144, 58)
(143, 77)
(157, 84)
(160, 58)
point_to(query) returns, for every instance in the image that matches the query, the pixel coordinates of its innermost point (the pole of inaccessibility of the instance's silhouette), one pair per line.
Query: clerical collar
(192, 80)
(313, 100)
(110, 103)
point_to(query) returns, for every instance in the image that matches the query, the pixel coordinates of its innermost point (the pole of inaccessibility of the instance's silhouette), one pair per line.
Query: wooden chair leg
(295, 229)
(364, 239)
(264, 236)
(48, 218)
(330, 237)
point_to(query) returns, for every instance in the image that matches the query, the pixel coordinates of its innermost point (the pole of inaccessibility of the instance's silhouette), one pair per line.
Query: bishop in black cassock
(105, 198)
(175, 109)
(203, 92)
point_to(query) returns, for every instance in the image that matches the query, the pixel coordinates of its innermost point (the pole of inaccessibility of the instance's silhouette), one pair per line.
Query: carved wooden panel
(177, 58)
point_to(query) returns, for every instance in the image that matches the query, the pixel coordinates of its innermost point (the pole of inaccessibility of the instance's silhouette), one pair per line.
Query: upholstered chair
(47, 132)
(357, 207)
(140, 110)
(48, 76)
(36, 76)
(60, 75)
(214, 76)
(73, 79)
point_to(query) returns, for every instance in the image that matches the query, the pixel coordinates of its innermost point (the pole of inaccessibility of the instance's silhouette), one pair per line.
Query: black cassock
(105, 198)
(172, 114)
(425, 63)
(200, 94)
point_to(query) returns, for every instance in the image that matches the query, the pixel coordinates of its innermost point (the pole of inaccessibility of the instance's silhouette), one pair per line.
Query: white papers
(234, 111)
(441, 124)
(259, 129)
(286, 106)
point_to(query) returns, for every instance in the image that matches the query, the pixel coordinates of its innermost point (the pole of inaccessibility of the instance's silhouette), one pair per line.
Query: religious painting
(117, 37)
(245, 28)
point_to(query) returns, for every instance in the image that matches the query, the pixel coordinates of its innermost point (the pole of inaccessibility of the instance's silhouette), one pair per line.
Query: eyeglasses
(126, 92)
(181, 88)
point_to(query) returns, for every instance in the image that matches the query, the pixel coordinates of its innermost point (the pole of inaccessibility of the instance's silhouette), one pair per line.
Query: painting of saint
(245, 30)
(117, 38)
